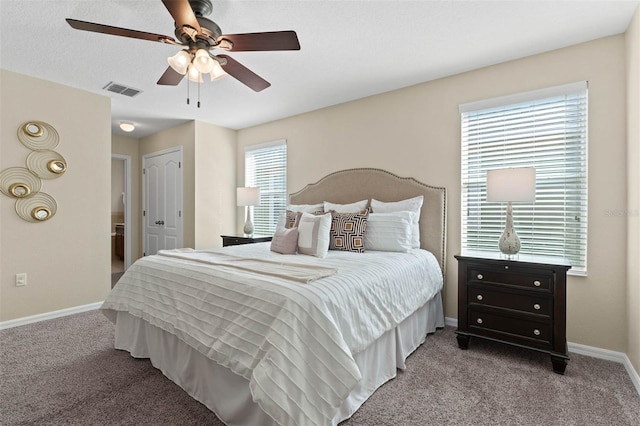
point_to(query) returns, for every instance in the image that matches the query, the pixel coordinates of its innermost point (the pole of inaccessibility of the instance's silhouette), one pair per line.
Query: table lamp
(517, 184)
(247, 197)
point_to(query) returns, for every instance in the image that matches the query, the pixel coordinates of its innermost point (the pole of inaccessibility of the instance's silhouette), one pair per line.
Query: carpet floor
(66, 372)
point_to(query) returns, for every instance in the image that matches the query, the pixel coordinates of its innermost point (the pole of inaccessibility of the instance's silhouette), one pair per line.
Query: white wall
(67, 257)
(416, 132)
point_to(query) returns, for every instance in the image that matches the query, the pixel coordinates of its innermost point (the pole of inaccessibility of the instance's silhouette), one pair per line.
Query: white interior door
(162, 215)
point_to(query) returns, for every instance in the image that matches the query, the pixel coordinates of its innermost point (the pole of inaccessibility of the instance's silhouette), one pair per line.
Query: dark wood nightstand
(519, 301)
(236, 240)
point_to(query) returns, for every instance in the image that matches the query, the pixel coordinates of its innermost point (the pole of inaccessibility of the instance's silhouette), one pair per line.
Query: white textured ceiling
(349, 49)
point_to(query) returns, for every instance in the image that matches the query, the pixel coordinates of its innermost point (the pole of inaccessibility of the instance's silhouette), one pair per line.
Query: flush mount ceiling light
(127, 127)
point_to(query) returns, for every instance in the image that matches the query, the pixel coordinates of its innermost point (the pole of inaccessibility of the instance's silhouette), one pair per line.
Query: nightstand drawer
(512, 276)
(498, 325)
(531, 302)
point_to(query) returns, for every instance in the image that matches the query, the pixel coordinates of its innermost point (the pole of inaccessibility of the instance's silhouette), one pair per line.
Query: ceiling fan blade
(251, 42)
(244, 75)
(108, 29)
(170, 78)
(182, 13)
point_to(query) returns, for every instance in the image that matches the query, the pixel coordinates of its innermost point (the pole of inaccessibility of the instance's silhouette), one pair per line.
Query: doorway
(120, 215)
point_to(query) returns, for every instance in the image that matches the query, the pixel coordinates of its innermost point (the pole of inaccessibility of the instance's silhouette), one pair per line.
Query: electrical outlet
(21, 279)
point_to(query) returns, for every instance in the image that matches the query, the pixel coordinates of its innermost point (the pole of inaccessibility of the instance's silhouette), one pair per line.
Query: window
(545, 129)
(265, 167)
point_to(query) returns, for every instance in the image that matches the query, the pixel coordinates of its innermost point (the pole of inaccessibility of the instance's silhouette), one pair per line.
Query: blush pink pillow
(285, 241)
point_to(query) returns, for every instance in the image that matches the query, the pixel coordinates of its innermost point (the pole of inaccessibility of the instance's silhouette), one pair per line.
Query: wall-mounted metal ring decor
(38, 135)
(46, 164)
(18, 182)
(36, 208)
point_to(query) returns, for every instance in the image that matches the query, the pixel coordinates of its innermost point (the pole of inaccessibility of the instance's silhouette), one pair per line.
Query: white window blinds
(266, 168)
(545, 129)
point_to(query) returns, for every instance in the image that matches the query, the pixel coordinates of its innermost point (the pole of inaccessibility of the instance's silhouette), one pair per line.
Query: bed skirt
(227, 394)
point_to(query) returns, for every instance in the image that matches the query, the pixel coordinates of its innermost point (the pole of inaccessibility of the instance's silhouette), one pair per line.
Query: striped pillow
(347, 231)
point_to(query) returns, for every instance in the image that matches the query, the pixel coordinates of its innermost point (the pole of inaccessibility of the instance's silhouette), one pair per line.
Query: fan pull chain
(198, 91)
(187, 91)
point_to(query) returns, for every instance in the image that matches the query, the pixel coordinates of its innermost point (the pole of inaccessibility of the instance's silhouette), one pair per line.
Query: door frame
(144, 193)
(127, 207)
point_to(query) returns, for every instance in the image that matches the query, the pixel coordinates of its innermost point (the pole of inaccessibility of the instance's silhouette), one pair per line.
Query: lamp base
(248, 225)
(509, 242)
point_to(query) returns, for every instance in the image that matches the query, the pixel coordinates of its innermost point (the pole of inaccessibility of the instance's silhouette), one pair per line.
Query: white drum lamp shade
(517, 184)
(247, 197)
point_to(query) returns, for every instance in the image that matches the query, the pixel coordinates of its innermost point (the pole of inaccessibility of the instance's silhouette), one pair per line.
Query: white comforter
(294, 342)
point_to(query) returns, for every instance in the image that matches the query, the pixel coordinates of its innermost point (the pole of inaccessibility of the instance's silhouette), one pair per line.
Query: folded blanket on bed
(286, 270)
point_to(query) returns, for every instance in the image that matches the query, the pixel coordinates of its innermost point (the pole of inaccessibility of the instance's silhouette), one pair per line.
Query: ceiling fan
(199, 35)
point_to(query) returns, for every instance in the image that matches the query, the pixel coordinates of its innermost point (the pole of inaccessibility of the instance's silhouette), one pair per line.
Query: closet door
(162, 193)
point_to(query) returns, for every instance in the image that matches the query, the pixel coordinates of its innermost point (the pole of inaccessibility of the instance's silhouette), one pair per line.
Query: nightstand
(520, 301)
(236, 240)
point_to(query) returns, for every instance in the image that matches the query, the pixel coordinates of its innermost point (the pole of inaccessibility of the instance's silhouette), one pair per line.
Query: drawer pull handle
(537, 283)
(536, 332)
(479, 320)
(536, 307)
(479, 297)
(480, 276)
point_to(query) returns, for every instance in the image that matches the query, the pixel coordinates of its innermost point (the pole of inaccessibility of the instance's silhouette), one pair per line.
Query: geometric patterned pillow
(291, 219)
(347, 231)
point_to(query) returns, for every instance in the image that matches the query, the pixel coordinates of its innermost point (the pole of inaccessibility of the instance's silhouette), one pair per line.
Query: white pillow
(308, 208)
(389, 231)
(313, 234)
(356, 207)
(413, 205)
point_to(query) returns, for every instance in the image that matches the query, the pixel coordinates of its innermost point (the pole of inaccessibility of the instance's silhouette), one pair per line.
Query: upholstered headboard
(351, 185)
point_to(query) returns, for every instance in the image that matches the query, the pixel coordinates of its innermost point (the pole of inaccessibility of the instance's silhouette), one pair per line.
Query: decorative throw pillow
(313, 234)
(413, 205)
(356, 207)
(389, 231)
(285, 241)
(291, 219)
(347, 231)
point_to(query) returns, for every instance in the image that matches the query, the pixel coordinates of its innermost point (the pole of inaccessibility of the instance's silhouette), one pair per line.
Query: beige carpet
(65, 372)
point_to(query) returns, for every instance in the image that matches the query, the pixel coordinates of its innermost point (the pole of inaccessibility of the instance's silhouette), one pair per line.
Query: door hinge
(179, 164)
(179, 213)
(144, 171)
(144, 212)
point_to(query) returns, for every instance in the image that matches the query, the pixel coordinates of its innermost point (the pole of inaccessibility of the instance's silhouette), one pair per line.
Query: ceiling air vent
(122, 89)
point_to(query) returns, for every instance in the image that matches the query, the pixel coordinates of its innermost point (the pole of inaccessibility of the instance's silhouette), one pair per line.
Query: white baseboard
(591, 351)
(49, 315)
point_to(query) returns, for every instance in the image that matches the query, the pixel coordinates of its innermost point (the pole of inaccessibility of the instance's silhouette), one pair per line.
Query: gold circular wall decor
(18, 182)
(46, 164)
(36, 208)
(38, 135)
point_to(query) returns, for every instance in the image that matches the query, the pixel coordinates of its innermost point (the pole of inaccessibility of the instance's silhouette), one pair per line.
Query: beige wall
(184, 136)
(66, 258)
(130, 146)
(633, 189)
(215, 184)
(416, 132)
(209, 164)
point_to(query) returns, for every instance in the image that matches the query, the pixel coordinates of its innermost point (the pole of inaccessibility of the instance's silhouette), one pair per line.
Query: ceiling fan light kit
(199, 35)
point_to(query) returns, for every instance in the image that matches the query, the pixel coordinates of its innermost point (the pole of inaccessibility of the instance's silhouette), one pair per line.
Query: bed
(262, 338)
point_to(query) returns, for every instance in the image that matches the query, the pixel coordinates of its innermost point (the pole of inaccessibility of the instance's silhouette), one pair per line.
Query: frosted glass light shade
(203, 62)
(217, 71)
(180, 61)
(194, 75)
(511, 184)
(248, 196)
